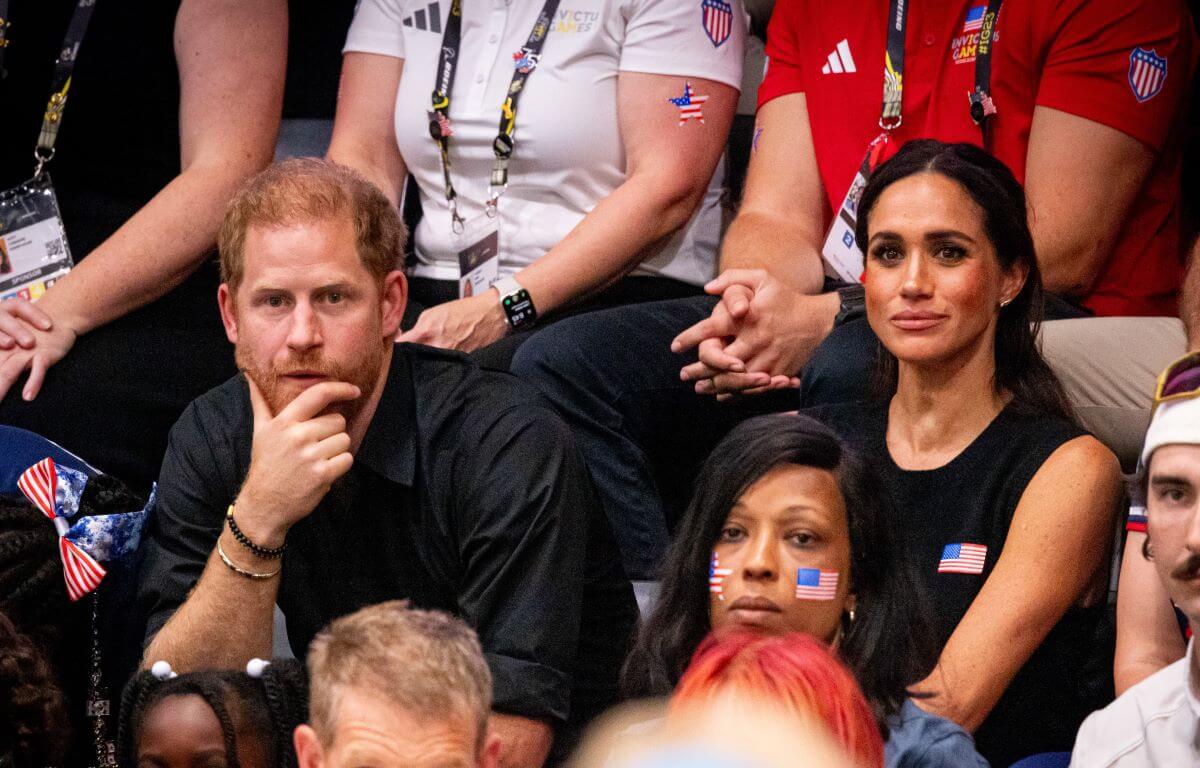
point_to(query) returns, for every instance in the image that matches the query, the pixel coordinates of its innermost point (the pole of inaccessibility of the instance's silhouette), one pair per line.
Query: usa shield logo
(1147, 73)
(717, 19)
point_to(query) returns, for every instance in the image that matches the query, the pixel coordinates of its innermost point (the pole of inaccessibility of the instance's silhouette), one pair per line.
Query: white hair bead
(256, 667)
(162, 670)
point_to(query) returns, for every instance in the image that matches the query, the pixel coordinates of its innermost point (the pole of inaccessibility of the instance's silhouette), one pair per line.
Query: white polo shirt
(569, 155)
(1155, 724)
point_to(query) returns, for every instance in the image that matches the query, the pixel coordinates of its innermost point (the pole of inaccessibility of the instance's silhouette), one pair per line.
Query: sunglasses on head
(1180, 380)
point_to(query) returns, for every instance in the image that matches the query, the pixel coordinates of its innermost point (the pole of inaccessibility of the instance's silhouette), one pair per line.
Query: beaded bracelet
(242, 571)
(266, 553)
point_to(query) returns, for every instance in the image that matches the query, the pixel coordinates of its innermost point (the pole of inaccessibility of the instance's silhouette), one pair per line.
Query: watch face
(518, 307)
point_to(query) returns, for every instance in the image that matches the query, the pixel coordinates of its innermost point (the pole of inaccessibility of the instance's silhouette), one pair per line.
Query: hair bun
(256, 667)
(162, 670)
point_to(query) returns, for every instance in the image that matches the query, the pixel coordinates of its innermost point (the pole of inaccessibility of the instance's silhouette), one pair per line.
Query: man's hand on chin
(296, 456)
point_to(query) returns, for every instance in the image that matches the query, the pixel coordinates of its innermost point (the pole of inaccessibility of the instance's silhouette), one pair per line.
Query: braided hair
(32, 709)
(32, 592)
(33, 595)
(268, 707)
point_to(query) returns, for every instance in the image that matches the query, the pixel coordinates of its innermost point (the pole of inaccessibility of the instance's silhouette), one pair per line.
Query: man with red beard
(340, 470)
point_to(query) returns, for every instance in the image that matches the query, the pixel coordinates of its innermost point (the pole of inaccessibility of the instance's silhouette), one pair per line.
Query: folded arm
(1148, 636)
(668, 168)
(1054, 555)
(1077, 203)
(229, 117)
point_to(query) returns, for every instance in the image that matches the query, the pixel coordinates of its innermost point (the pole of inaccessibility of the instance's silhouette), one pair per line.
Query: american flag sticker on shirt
(815, 584)
(717, 18)
(716, 576)
(962, 558)
(689, 105)
(1147, 73)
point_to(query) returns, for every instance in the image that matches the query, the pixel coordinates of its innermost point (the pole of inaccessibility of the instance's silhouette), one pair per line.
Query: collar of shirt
(390, 445)
(1191, 682)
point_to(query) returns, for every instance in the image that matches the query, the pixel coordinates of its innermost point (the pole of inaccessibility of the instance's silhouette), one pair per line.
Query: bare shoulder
(1084, 454)
(1081, 468)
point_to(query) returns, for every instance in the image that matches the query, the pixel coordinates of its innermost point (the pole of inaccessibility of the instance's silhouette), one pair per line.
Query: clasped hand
(758, 337)
(30, 340)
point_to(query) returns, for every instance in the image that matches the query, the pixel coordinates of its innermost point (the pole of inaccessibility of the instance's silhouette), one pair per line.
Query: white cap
(1175, 422)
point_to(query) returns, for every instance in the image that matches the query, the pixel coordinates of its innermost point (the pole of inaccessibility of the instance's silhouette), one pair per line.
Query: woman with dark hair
(247, 718)
(1007, 506)
(788, 531)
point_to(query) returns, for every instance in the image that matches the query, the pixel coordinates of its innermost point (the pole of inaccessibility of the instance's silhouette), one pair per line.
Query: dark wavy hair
(1020, 367)
(268, 707)
(32, 709)
(887, 646)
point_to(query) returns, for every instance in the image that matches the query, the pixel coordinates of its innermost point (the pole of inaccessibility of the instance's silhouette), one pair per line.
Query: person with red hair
(794, 672)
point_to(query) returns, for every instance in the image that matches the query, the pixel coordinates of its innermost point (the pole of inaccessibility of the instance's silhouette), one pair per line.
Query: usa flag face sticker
(815, 584)
(717, 18)
(689, 105)
(716, 576)
(962, 558)
(1147, 73)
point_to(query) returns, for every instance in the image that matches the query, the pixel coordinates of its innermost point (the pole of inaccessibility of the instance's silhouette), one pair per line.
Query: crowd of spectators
(847, 420)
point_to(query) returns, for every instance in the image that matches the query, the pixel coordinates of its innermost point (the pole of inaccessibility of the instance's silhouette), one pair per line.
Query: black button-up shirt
(467, 495)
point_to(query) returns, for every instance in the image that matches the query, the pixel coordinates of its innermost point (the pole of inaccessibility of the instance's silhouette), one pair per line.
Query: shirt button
(493, 39)
(930, 39)
(479, 78)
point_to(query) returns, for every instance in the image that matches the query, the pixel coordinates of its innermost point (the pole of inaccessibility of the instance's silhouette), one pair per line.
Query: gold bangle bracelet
(242, 571)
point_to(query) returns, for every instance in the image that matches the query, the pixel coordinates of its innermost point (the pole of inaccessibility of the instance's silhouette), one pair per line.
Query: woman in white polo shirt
(620, 111)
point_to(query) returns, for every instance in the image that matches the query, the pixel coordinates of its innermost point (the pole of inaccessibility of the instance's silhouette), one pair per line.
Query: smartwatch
(852, 304)
(516, 303)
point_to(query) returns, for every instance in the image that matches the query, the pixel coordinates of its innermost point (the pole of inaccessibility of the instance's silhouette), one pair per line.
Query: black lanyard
(982, 108)
(63, 67)
(4, 25)
(439, 123)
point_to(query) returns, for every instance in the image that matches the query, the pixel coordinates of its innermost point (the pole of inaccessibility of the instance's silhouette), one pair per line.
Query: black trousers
(424, 293)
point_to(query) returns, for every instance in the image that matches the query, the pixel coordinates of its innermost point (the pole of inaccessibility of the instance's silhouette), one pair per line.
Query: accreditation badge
(33, 243)
(842, 255)
(478, 247)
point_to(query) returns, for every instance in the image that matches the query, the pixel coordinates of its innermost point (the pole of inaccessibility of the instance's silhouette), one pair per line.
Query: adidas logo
(428, 19)
(839, 61)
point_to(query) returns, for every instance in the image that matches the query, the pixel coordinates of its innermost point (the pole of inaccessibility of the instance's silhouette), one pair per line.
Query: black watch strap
(852, 304)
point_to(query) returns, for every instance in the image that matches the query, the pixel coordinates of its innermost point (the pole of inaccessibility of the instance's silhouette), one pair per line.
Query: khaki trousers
(1109, 366)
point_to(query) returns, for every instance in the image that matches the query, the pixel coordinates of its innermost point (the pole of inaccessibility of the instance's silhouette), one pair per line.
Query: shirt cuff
(529, 689)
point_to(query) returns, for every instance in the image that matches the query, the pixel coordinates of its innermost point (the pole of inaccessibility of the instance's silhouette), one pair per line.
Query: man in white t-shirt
(620, 125)
(1157, 722)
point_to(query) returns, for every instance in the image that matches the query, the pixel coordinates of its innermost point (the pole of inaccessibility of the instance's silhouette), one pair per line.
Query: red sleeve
(1092, 70)
(784, 73)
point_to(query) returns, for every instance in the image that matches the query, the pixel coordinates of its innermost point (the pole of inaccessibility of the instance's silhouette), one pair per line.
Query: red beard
(279, 391)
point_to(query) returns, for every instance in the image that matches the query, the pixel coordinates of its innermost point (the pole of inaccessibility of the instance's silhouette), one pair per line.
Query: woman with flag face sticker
(1008, 506)
(790, 532)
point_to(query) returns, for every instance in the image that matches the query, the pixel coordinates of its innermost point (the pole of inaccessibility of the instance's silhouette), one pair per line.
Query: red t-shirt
(1076, 56)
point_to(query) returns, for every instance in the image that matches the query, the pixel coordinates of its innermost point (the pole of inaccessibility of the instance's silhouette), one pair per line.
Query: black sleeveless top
(971, 501)
(119, 141)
